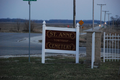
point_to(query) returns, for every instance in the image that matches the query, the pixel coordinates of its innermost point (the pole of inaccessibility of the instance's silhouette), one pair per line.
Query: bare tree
(26, 28)
(112, 21)
(116, 21)
(18, 24)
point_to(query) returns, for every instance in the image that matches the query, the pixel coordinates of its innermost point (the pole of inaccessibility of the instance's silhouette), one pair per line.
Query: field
(21, 27)
(37, 27)
(56, 68)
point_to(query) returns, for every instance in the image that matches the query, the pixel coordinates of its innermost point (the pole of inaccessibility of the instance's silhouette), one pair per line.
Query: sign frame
(60, 51)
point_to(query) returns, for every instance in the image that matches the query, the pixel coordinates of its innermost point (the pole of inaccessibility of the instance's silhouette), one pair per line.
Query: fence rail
(111, 47)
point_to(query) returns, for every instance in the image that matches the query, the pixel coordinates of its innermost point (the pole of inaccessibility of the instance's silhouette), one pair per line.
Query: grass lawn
(56, 68)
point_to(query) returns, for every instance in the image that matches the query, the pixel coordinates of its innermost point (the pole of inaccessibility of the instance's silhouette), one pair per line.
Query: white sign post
(93, 50)
(60, 51)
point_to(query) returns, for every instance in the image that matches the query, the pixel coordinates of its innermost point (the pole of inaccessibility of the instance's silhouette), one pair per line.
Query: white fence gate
(111, 47)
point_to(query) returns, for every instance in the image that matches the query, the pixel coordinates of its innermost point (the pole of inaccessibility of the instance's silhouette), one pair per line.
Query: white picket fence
(111, 47)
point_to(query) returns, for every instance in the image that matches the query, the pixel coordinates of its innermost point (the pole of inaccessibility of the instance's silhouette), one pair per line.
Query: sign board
(60, 40)
(29, 0)
(81, 22)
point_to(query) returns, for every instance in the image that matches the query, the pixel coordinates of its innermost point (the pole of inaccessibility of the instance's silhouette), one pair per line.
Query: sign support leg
(43, 42)
(77, 43)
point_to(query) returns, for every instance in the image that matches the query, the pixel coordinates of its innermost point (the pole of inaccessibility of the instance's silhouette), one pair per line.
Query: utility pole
(108, 19)
(74, 13)
(93, 15)
(105, 18)
(101, 13)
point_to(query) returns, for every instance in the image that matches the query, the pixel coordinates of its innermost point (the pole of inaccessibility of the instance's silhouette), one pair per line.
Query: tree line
(115, 21)
(48, 21)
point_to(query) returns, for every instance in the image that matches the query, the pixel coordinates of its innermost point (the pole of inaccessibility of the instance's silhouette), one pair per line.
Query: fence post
(104, 47)
(118, 48)
(112, 45)
(115, 47)
(77, 43)
(107, 47)
(43, 42)
(110, 37)
(93, 50)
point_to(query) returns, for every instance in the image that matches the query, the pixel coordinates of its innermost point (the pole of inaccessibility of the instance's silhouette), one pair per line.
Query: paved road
(10, 43)
(95, 28)
(14, 44)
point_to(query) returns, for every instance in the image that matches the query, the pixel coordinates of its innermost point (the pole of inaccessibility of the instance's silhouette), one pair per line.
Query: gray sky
(57, 9)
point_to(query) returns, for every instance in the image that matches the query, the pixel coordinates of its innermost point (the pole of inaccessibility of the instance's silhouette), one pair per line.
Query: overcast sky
(57, 9)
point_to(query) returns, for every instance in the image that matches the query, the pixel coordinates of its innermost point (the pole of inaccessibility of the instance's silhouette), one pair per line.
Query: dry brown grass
(12, 27)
